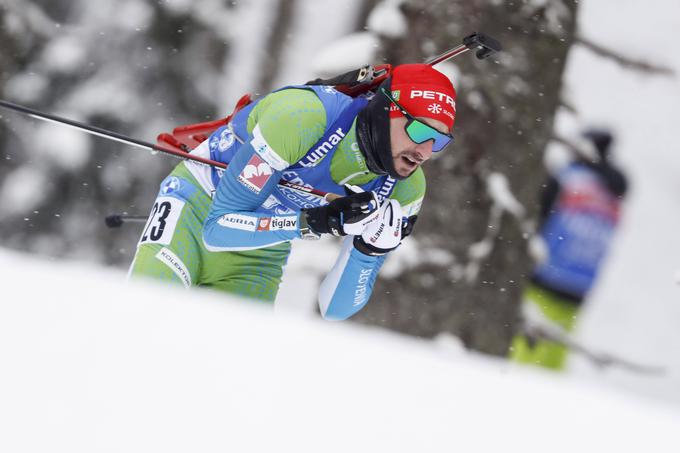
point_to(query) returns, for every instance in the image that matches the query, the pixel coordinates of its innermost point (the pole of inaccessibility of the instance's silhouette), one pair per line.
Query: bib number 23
(162, 222)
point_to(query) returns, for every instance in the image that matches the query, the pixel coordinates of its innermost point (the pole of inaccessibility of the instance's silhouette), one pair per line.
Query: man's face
(408, 155)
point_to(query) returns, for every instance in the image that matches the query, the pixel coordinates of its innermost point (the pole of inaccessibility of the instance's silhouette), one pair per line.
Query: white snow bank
(348, 53)
(22, 190)
(90, 364)
(386, 19)
(66, 147)
(633, 311)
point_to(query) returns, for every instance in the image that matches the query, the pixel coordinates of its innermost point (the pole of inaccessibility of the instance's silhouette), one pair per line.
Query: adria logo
(238, 221)
(255, 174)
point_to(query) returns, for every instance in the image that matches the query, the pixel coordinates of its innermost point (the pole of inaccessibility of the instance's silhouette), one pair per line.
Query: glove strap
(320, 221)
(307, 232)
(367, 249)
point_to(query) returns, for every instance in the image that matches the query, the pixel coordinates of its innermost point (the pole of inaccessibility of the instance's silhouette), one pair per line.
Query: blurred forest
(142, 67)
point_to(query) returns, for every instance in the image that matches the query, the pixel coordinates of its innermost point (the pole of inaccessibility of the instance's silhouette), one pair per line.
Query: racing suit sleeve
(281, 128)
(232, 222)
(348, 286)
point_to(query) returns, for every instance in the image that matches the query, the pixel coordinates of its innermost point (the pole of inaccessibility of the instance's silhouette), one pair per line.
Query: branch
(598, 358)
(626, 62)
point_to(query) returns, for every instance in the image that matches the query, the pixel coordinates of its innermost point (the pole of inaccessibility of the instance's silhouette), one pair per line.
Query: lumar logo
(314, 156)
(386, 188)
(255, 174)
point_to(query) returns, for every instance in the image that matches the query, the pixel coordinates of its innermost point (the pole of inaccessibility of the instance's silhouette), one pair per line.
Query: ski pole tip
(113, 221)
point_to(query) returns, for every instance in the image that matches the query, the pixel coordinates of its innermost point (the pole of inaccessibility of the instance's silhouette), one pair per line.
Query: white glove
(384, 234)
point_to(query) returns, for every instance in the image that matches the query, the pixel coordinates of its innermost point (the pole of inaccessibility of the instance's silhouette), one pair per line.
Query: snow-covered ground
(89, 364)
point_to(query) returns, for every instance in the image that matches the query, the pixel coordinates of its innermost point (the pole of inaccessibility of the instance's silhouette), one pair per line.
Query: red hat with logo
(423, 92)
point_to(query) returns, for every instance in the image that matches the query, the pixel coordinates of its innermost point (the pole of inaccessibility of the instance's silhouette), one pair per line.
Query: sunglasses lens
(420, 132)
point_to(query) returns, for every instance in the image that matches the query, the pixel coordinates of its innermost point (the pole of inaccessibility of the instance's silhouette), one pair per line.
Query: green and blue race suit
(231, 229)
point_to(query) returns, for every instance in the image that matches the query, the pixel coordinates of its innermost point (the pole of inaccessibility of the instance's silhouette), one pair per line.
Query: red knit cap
(423, 91)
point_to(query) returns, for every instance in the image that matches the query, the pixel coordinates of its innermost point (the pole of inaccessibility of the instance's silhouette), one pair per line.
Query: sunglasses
(420, 132)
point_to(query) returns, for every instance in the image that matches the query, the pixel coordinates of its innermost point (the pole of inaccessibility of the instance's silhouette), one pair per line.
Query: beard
(373, 135)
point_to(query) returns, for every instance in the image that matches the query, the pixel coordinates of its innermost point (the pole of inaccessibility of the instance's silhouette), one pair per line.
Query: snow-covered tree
(470, 258)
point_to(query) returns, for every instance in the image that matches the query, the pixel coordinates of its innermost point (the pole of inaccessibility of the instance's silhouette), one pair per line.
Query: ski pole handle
(485, 45)
(116, 220)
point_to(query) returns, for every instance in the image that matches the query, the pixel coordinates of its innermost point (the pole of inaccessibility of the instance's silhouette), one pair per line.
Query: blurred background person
(580, 210)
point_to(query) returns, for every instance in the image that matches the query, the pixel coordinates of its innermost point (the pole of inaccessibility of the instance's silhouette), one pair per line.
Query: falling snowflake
(434, 108)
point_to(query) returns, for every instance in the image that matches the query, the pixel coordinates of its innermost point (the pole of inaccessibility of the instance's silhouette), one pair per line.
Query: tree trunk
(505, 110)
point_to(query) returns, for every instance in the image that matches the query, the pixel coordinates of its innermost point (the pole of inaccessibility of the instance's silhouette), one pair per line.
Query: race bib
(162, 222)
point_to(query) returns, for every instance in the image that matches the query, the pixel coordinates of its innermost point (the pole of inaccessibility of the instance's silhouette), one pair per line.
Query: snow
(106, 93)
(386, 19)
(133, 14)
(63, 54)
(499, 191)
(91, 364)
(242, 77)
(634, 310)
(65, 147)
(309, 261)
(348, 53)
(177, 7)
(16, 198)
(22, 17)
(27, 87)
(299, 67)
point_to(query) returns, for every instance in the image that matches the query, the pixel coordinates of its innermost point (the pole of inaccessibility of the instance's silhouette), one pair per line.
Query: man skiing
(580, 209)
(231, 229)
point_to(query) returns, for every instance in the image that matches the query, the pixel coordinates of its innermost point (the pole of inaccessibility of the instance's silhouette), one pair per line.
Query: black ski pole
(145, 145)
(116, 220)
(485, 45)
(600, 359)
